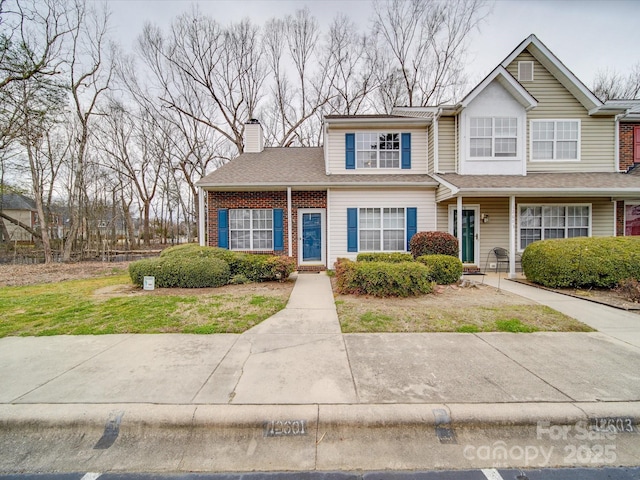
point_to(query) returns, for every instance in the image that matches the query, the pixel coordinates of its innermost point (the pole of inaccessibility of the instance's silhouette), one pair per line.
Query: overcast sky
(586, 35)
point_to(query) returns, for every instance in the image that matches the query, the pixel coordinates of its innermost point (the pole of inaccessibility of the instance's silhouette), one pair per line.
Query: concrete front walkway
(616, 323)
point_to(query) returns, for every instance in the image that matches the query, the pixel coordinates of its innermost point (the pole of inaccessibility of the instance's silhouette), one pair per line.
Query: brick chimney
(253, 137)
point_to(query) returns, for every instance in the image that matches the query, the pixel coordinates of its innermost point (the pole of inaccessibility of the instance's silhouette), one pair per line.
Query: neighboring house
(628, 211)
(529, 154)
(21, 208)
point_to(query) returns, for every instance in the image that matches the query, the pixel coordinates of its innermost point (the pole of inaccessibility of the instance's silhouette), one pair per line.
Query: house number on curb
(285, 428)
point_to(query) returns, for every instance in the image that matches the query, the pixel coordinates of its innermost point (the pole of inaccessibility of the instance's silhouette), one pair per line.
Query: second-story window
(555, 139)
(493, 137)
(377, 150)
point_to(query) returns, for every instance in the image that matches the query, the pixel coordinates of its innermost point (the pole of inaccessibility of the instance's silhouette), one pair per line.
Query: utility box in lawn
(149, 283)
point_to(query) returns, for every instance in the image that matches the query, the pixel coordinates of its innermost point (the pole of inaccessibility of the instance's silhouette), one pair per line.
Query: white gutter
(289, 222)
(324, 147)
(328, 230)
(450, 186)
(201, 218)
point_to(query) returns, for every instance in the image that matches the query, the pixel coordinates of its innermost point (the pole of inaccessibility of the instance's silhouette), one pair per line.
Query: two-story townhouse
(366, 190)
(529, 154)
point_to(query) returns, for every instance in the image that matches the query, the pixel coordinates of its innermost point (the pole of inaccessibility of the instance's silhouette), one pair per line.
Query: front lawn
(112, 305)
(452, 309)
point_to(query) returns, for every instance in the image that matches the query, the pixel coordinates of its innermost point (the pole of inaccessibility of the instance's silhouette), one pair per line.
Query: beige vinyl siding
(341, 199)
(597, 153)
(495, 233)
(336, 150)
(442, 193)
(447, 145)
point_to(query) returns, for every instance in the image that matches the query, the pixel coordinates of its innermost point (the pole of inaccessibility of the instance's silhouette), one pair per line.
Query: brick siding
(272, 199)
(626, 146)
(620, 219)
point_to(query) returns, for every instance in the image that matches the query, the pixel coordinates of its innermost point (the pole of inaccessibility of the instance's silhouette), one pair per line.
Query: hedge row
(382, 279)
(193, 266)
(582, 262)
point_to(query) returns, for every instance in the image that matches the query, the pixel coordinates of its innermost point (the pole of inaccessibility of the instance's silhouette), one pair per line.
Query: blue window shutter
(352, 229)
(412, 224)
(278, 231)
(406, 151)
(350, 149)
(223, 228)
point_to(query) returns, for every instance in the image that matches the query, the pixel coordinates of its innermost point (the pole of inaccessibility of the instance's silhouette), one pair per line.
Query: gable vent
(525, 71)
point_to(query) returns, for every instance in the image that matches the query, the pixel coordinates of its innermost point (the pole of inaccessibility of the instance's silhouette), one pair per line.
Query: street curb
(76, 416)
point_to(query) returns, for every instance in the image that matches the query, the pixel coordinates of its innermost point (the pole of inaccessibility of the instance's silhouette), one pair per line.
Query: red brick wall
(626, 146)
(620, 219)
(230, 200)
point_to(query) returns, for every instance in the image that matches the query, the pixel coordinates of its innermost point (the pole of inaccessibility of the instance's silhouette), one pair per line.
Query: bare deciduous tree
(610, 84)
(423, 44)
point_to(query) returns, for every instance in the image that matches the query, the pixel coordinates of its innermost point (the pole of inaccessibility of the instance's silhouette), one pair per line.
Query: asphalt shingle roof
(545, 181)
(295, 166)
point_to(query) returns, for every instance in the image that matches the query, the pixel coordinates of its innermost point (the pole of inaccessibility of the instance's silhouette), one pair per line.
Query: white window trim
(528, 62)
(378, 167)
(251, 230)
(542, 205)
(404, 235)
(555, 160)
(493, 140)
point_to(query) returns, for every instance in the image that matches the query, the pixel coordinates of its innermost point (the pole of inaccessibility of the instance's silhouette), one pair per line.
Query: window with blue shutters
(370, 150)
(380, 229)
(251, 229)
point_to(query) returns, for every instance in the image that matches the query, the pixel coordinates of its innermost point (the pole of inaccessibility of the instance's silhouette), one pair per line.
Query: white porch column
(202, 232)
(512, 237)
(459, 226)
(289, 222)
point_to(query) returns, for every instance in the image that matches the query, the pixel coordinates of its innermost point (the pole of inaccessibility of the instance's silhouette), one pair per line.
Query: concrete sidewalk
(363, 400)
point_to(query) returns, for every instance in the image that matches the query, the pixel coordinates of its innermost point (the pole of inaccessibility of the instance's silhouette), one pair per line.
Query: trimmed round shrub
(445, 269)
(392, 257)
(181, 272)
(582, 262)
(433, 243)
(383, 279)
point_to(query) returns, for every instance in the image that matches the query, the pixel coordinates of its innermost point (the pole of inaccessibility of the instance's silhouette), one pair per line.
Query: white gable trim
(541, 53)
(502, 76)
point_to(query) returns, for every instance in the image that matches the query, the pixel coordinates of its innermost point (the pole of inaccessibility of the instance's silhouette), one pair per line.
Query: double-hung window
(555, 139)
(543, 222)
(381, 229)
(377, 150)
(251, 229)
(493, 137)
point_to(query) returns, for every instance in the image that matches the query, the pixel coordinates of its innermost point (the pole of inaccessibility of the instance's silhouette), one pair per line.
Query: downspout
(512, 236)
(289, 222)
(459, 226)
(201, 218)
(328, 229)
(324, 150)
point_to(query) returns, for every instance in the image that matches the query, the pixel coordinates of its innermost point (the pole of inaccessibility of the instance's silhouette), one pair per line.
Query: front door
(312, 235)
(469, 236)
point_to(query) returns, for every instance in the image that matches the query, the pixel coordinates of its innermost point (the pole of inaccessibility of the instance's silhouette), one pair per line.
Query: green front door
(468, 234)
